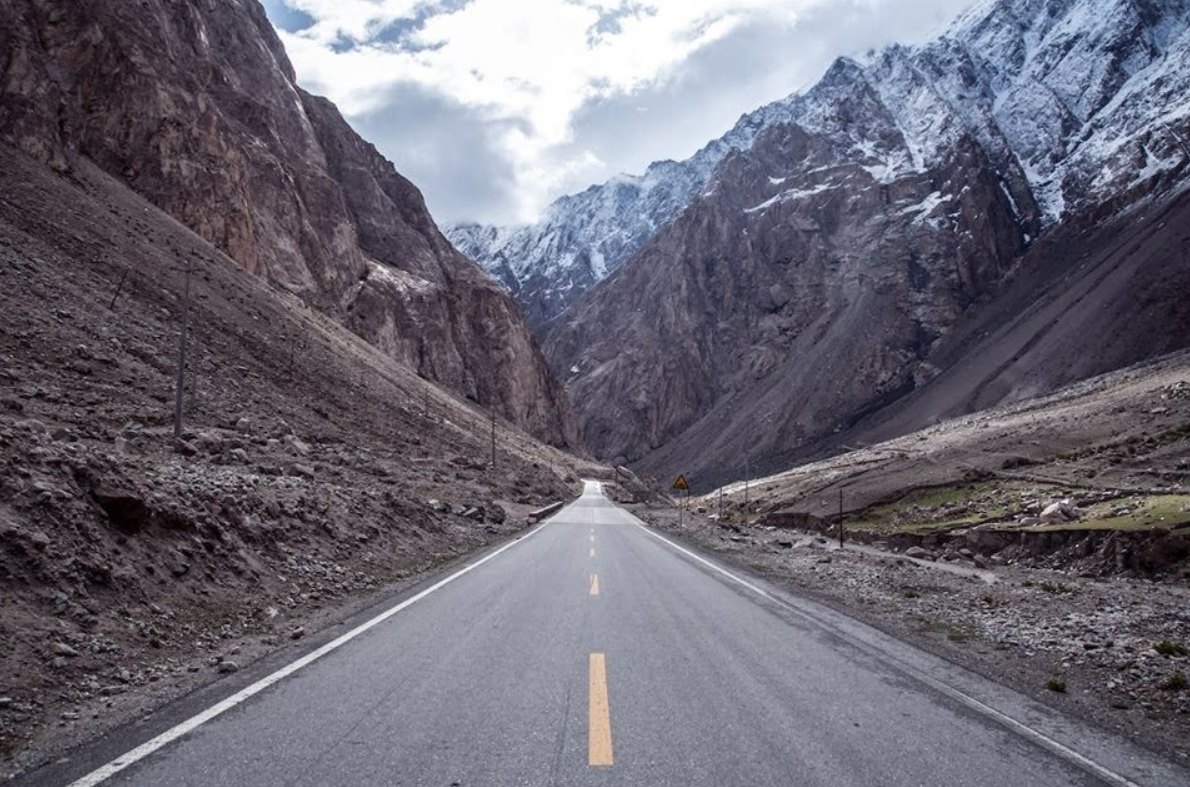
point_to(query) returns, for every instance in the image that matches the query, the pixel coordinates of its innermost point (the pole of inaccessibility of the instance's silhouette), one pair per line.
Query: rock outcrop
(196, 107)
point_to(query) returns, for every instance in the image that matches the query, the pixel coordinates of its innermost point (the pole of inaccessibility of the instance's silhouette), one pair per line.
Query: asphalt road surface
(593, 651)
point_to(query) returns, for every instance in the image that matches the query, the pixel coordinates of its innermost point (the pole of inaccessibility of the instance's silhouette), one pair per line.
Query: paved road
(592, 651)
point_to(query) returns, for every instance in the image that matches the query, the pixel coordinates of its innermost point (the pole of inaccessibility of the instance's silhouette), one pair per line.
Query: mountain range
(819, 263)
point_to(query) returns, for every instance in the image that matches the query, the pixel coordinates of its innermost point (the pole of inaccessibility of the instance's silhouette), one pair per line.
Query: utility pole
(747, 480)
(179, 393)
(493, 439)
(840, 519)
(195, 375)
(119, 289)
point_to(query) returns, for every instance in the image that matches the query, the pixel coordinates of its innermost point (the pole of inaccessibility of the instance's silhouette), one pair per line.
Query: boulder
(1061, 511)
(297, 445)
(301, 470)
(124, 508)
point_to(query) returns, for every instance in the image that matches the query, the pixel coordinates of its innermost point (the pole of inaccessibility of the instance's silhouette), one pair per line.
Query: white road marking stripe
(1024, 730)
(145, 749)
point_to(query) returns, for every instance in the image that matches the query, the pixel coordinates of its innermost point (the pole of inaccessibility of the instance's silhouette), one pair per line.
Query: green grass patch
(1056, 685)
(932, 510)
(1176, 682)
(1156, 511)
(1167, 648)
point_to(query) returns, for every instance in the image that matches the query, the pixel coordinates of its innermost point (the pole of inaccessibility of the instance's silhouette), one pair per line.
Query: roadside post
(840, 519)
(747, 484)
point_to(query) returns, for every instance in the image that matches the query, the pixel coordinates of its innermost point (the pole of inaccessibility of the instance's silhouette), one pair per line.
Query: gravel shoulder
(1108, 649)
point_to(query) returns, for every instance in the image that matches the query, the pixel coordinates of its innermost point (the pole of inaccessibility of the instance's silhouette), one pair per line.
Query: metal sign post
(682, 485)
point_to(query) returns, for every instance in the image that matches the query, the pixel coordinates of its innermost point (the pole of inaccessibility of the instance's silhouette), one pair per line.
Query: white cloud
(525, 69)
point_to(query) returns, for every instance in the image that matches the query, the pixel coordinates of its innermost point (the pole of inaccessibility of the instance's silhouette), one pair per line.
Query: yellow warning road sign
(681, 483)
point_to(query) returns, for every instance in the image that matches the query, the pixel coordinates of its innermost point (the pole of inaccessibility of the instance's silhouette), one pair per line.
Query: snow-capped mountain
(1076, 103)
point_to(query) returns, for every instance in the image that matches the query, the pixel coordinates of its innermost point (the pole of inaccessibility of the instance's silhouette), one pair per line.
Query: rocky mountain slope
(313, 469)
(1072, 101)
(820, 274)
(195, 106)
(586, 236)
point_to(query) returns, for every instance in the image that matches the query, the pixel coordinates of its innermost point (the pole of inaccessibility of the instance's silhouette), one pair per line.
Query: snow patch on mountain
(1074, 102)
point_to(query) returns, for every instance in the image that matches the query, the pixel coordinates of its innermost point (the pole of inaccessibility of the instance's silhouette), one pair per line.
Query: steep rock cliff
(195, 106)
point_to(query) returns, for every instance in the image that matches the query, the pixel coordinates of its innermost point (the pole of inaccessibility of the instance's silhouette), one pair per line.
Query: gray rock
(297, 445)
(301, 470)
(919, 553)
(228, 666)
(176, 563)
(62, 649)
(297, 633)
(184, 448)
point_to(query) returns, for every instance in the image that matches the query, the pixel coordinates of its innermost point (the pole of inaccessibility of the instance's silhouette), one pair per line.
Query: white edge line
(1023, 729)
(145, 749)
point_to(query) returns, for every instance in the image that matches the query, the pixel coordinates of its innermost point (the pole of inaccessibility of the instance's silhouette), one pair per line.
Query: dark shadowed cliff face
(195, 106)
(793, 295)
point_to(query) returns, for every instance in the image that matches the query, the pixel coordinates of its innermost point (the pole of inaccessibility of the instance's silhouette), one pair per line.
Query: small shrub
(1176, 682)
(1167, 648)
(1057, 685)
(912, 594)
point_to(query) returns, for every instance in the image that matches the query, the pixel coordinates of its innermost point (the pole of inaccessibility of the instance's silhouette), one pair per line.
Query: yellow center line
(594, 584)
(599, 717)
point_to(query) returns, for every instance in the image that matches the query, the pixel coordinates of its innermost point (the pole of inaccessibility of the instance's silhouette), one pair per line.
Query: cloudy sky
(496, 107)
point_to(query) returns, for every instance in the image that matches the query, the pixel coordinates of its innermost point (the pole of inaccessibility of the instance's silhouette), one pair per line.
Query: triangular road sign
(681, 483)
